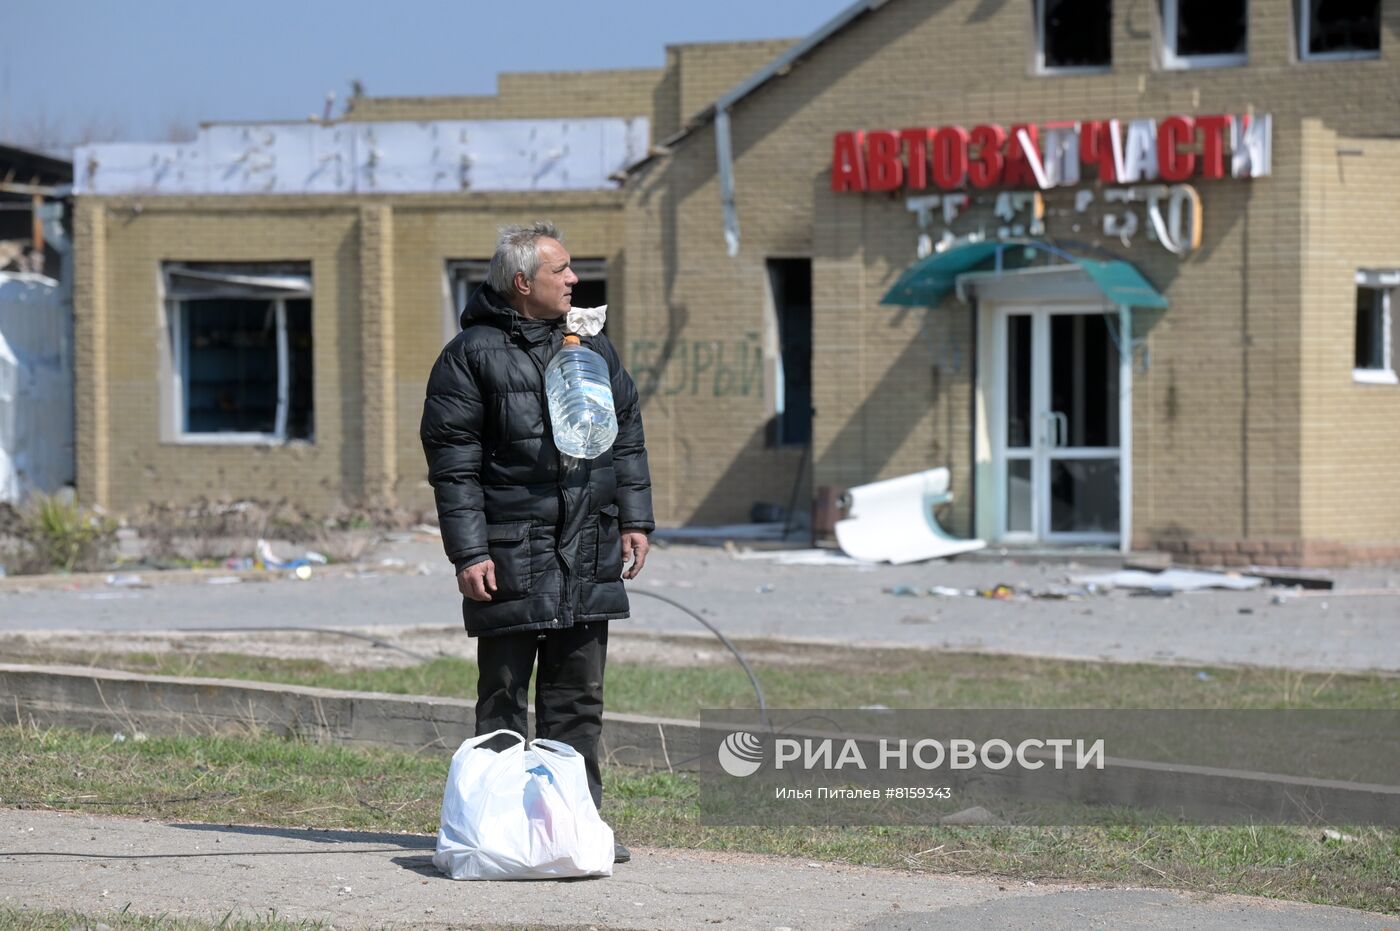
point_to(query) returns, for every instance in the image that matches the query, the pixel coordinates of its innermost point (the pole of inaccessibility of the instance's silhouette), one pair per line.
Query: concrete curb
(151, 578)
(101, 699)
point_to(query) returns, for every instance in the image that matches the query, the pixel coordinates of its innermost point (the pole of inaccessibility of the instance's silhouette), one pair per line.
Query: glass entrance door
(1059, 449)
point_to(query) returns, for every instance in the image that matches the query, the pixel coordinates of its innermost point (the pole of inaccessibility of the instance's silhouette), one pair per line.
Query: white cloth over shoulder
(586, 321)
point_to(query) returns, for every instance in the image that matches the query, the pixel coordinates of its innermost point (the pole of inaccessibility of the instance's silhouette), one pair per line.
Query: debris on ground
(808, 557)
(1172, 580)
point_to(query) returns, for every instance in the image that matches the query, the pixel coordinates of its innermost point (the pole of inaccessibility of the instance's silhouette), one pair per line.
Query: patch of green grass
(288, 783)
(13, 918)
(831, 679)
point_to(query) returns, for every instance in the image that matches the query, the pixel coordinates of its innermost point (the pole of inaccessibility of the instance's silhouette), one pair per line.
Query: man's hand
(634, 546)
(478, 582)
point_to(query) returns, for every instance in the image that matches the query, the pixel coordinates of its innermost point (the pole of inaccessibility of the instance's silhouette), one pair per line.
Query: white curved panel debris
(893, 521)
(349, 158)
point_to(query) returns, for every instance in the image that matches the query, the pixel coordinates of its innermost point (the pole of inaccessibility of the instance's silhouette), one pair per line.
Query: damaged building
(1129, 281)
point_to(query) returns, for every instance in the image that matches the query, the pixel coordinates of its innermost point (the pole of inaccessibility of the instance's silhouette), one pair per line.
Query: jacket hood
(485, 306)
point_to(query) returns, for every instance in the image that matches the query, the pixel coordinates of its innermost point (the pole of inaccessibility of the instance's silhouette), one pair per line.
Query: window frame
(1171, 61)
(175, 367)
(1038, 61)
(1381, 283)
(1302, 9)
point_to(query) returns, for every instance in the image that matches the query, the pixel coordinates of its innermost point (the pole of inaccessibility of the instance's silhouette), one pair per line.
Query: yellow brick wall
(1219, 412)
(378, 269)
(694, 75)
(1351, 431)
(529, 95)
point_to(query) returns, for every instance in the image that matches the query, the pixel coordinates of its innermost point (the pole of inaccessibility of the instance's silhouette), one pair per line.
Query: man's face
(549, 295)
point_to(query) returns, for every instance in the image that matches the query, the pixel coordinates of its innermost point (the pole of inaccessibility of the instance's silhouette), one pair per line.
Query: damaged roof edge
(774, 68)
(719, 110)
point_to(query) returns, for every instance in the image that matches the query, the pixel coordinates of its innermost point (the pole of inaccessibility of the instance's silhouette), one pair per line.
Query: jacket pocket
(509, 548)
(609, 561)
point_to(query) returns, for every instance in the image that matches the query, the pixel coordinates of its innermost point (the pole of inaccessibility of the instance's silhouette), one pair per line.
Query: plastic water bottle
(580, 401)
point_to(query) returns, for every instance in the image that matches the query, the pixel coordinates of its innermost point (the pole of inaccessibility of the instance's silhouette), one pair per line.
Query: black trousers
(568, 688)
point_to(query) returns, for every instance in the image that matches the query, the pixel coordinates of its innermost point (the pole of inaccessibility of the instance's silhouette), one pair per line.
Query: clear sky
(141, 69)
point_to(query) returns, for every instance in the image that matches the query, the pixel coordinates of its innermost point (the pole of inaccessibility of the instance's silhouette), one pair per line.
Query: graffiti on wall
(717, 368)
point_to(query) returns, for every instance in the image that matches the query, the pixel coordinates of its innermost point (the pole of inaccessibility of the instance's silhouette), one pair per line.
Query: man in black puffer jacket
(539, 539)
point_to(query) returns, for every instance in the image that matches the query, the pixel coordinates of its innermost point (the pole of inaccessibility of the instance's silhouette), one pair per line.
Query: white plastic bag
(520, 814)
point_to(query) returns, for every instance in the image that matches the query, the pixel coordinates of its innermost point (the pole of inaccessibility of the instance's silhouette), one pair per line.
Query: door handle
(1061, 430)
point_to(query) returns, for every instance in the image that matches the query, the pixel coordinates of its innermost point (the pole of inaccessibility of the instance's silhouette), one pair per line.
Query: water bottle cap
(571, 339)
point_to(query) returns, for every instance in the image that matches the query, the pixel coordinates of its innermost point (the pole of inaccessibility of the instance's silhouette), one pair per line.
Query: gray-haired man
(539, 540)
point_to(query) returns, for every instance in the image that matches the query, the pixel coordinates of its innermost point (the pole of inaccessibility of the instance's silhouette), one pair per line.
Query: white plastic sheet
(520, 814)
(36, 387)
(1172, 580)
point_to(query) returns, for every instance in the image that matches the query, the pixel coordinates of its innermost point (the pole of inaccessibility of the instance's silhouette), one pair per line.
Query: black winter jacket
(551, 523)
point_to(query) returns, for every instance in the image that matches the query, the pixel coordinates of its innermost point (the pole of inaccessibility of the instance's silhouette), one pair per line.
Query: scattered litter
(239, 565)
(875, 708)
(318, 558)
(764, 589)
(301, 573)
(811, 557)
(903, 591)
(998, 593)
(1279, 600)
(1338, 836)
(1064, 592)
(1173, 580)
(943, 591)
(223, 580)
(269, 559)
(429, 529)
(1204, 676)
(126, 581)
(119, 737)
(392, 562)
(425, 569)
(1246, 611)
(108, 596)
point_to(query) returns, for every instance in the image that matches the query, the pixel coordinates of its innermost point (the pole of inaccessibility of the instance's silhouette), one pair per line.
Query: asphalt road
(98, 865)
(1351, 628)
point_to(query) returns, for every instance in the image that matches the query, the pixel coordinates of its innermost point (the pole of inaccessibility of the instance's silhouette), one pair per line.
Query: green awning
(928, 281)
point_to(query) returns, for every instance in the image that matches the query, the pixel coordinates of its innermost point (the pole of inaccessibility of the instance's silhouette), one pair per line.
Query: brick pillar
(377, 354)
(92, 422)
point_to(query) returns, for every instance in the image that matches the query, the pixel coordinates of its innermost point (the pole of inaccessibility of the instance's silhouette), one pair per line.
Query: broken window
(1074, 34)
(1373, 352)
(465, 275)
(241, 351)
(790, 281)
(1339, 28)
(1204, 33)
